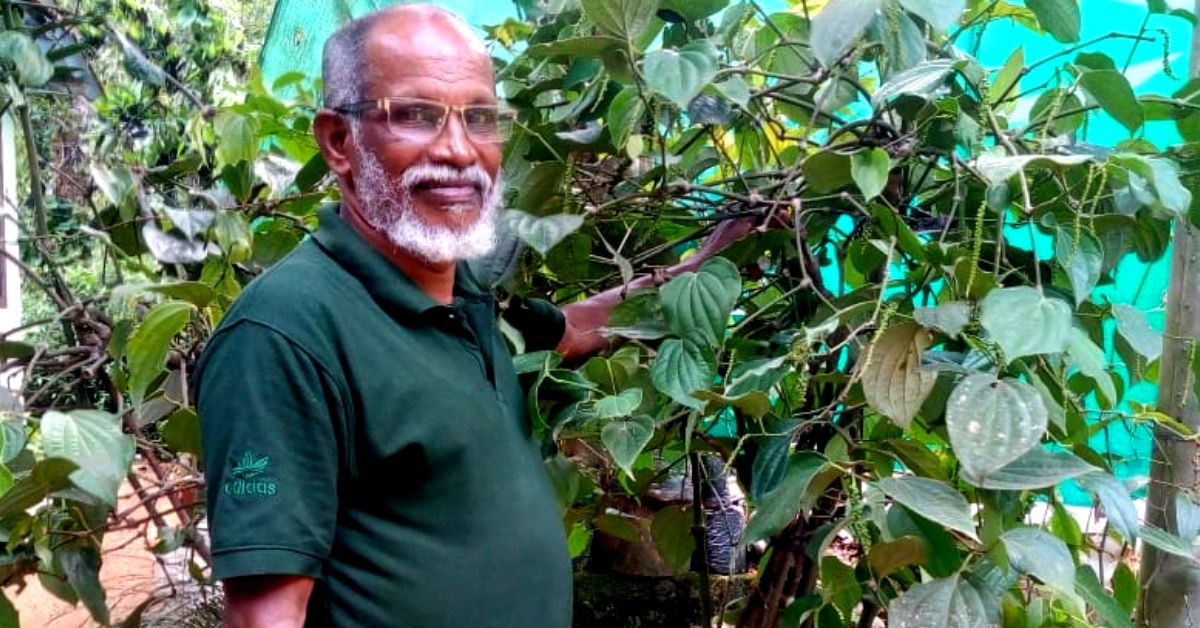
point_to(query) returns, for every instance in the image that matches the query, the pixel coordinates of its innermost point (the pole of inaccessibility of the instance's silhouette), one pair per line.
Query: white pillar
(10, 274)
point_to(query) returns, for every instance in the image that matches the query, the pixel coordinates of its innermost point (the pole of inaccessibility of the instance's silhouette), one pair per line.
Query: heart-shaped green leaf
(1005, 86)
(624, 115)
(1090, 361)
(1136, 330)
(827, 171)
(903, 43)
(920, 80)
(625, 439)
(1114, 497)
(194, 292)
(619, 405)
(736, 89)
(869, 169)
(701, 301)
(693, 10)
(940, 14)
(778, 507)
(888, 557)
(684, 365)
(839, 25)
(181, 432)
(944, 603)
(1024, 322)
(839, 585)
(680, 75)
(934, 500)
(542, 232)
(1083, 261)
(1038, 468)
(48, 476)
(998, 168)
(624, 18)
(149, 344)
(992, 422)
(672, 534)
(93, 440)
(1060, 18)
(1167, 542)
(1058, 102)
(1111, 90)
(237, 137)
(949, 318)
(1110, 612)
(1041, 555)
(574, 47)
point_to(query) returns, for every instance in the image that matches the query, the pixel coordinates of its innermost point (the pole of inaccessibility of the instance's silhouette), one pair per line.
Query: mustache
(425, 173)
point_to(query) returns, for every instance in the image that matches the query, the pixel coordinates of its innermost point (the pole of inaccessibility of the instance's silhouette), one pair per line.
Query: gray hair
(340, 64)
(343, 67)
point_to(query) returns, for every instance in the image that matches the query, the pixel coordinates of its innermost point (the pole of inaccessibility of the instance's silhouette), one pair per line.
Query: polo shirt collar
(386, 283)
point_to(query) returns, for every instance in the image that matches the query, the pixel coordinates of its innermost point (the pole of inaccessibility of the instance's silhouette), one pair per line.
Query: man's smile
(450, 193)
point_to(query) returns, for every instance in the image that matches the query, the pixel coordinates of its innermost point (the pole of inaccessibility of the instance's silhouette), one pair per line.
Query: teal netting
(299, 28)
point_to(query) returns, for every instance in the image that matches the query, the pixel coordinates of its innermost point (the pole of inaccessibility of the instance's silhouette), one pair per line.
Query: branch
(1064, 52)
(701, 534)
(41, 226)
(33, 276)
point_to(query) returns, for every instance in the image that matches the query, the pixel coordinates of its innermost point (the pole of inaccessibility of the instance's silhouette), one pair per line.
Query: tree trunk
(1170, 584)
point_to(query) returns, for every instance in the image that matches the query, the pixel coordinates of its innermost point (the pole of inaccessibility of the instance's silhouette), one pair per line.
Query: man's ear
(336, 142)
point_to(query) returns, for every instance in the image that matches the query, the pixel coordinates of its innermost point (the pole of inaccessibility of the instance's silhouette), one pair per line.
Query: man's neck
(435, 280)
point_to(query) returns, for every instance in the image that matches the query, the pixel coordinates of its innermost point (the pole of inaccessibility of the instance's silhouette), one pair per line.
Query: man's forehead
(421, 28)
(434, 46)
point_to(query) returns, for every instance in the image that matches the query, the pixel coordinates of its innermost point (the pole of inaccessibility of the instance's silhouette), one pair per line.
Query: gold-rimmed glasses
(419, 120)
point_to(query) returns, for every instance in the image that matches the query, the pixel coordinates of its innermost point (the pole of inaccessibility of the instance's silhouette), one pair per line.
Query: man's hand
(266, 601)
(587, 317)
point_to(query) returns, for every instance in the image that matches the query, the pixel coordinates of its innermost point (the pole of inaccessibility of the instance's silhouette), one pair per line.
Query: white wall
(10, 309)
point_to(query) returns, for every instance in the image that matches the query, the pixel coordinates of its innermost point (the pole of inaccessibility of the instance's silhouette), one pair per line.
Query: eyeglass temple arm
(358, 107)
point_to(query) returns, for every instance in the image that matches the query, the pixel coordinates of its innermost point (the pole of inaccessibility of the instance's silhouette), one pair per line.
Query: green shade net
(299, 29)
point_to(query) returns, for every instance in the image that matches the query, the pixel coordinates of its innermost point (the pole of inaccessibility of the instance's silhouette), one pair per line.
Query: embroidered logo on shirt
(248, 479)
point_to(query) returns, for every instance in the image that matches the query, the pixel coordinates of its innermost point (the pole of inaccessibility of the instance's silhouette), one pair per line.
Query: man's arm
(266, 601)
(269, 417)
(585, 319)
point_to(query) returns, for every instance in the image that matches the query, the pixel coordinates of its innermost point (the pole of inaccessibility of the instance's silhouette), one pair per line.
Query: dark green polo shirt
(359, 433)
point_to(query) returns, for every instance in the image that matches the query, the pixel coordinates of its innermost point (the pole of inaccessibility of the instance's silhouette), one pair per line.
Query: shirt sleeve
(268, 414)
(540, 323)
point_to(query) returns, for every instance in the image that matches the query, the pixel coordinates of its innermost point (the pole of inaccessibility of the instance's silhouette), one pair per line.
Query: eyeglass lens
(421, 121)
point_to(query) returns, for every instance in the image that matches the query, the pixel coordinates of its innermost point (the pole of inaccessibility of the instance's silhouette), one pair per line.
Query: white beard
(387, 206)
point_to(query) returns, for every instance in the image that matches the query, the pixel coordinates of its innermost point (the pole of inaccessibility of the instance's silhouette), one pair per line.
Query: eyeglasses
(419, 120)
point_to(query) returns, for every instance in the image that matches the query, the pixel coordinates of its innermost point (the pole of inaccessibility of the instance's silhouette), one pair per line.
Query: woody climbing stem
(1171, 583)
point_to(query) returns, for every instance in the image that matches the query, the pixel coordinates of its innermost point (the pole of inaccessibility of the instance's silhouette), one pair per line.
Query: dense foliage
(895, 370)
(888, 373)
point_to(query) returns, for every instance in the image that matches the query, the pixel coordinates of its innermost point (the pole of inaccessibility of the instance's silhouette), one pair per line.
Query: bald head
(347, 68)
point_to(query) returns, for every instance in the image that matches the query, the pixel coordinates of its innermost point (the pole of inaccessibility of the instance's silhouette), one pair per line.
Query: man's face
(436, 199)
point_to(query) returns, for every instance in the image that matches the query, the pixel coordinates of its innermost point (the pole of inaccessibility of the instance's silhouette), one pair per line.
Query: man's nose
(453, 146)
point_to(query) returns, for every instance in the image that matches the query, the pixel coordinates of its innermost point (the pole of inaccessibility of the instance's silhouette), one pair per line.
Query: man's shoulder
(302, 293)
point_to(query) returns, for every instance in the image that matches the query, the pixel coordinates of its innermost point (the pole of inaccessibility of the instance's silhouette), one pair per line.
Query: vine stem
(36, 193)
(701, 533)
(1067, 51)
(62, 295)
(1134, 47)
(1037, 262)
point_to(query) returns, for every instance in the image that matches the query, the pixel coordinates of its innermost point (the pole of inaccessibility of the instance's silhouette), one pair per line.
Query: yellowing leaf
(893, 380)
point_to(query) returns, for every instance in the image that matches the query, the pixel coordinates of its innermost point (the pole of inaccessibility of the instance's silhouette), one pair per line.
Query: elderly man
(369, 459)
